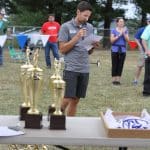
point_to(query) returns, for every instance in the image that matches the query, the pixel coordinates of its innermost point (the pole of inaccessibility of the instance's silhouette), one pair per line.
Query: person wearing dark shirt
(141, 60)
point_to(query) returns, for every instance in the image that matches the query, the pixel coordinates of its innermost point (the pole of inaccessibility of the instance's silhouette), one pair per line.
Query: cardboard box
(124, 133)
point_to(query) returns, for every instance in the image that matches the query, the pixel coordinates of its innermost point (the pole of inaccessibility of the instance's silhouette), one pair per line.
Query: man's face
(83, 16)
(51, 18)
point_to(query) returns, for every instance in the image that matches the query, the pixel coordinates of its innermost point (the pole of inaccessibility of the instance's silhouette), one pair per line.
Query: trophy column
(33, 117)
(25, 86)
(52, 107)
(57, 118)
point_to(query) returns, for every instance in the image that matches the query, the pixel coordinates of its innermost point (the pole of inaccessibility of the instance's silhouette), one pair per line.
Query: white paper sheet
(89, 40)
(110, 119)
(5, 131)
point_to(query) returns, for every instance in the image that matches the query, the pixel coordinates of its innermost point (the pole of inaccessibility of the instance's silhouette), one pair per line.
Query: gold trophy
(57, 66)
(58, 119)
(34, 116)
(25, 86)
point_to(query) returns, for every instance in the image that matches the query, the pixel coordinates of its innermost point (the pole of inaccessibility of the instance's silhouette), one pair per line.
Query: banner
(44, 39)
(21, 38)
(2, 40)
(34, 38)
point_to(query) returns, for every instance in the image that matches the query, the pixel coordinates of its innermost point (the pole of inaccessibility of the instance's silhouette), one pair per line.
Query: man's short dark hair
(51, 14)
(84, 5)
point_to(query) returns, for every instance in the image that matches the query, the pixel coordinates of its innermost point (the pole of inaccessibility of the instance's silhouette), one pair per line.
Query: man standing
(146, 43)
(2, 32)
(51, 28)
(76, 56)
(141, 60)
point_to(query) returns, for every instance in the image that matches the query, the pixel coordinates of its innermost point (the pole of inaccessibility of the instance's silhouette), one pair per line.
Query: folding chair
(16, 56)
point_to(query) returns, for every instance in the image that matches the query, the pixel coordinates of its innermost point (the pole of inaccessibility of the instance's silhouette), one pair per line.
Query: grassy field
(100, 96)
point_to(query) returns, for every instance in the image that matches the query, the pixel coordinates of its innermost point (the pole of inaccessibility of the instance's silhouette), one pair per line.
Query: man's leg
(146, 87)
(140, 65)
(54, 47)
(47, 54)
(70, 105)
(137, 73)
(64, 104)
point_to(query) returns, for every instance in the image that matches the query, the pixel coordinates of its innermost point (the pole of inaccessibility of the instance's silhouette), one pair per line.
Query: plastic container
(133, 45)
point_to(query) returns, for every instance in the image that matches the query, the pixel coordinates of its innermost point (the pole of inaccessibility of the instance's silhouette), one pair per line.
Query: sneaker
(135, 82)
(145, 94)
(116, 83)
(48, 67)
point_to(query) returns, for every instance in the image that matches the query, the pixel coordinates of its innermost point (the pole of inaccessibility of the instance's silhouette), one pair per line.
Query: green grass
(101, 93)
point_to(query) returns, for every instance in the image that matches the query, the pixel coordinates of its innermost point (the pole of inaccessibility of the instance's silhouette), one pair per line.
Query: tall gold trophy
(52, 107)
(57, 118)
(33, 118)
(25, 86)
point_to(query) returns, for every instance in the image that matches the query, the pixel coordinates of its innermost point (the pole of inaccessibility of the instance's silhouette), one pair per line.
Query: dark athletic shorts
(76, 84)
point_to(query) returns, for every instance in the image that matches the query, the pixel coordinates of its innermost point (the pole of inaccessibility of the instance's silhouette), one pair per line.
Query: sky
(130, 10)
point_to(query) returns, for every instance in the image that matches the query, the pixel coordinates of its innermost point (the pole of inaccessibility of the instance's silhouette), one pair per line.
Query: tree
(108, 14)
(143, 7)
(29, 12)
(6, 4)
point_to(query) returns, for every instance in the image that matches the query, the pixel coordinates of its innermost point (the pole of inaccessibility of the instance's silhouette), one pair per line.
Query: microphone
(83, 26)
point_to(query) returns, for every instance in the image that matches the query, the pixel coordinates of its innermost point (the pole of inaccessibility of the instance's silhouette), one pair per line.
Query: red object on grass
(132, 44)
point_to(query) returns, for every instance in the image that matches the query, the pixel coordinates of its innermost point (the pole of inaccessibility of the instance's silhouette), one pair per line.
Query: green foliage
(144, 5)
(29, 12)
(27, 18)
(5, 4)
(132, 23)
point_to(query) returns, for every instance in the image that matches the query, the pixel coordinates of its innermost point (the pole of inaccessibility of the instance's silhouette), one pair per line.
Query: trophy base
(23, 112)
(51, 110)
(58, 122)
(33, 121)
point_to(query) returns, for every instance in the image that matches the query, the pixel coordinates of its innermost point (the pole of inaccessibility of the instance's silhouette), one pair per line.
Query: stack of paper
(6, 131)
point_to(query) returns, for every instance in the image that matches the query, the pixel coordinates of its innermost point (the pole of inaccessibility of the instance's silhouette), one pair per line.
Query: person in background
(51, 27)
(3, 29)
(76, 57)
(118, 38)
(141, 60)
(146, 43)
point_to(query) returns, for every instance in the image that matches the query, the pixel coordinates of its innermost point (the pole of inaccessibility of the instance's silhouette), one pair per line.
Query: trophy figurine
(57, 118)
(57, 66)
(25, 86)
(34, 116)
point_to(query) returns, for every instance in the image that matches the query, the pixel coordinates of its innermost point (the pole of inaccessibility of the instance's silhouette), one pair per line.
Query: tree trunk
(143, 20)
(107, 22)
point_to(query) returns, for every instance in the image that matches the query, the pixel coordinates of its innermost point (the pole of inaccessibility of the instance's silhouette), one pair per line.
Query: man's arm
(139, 45)
(95, 45)
(65, 47)
(144, 42)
